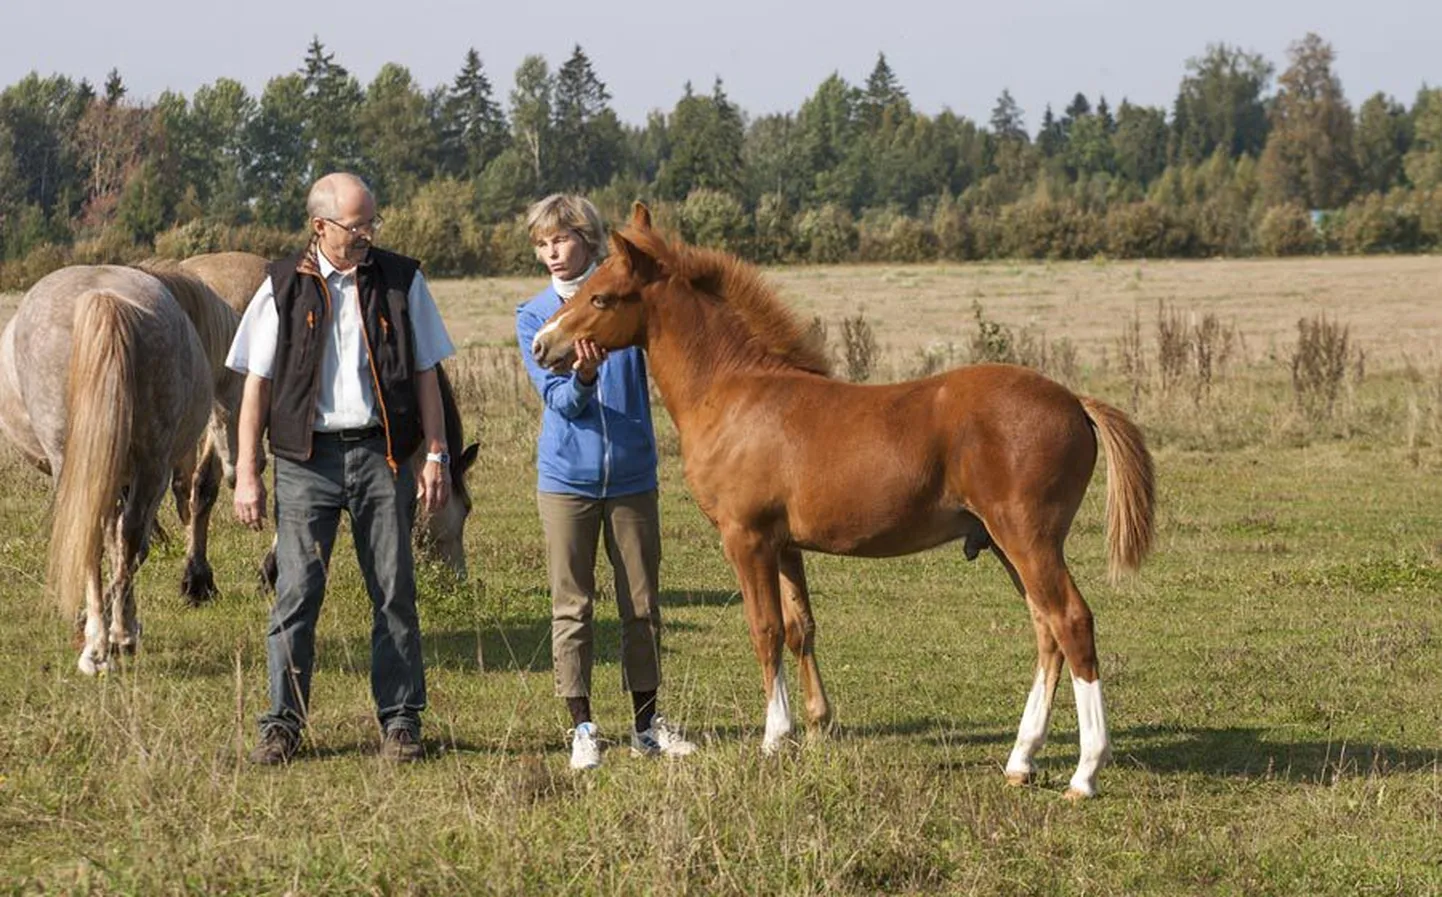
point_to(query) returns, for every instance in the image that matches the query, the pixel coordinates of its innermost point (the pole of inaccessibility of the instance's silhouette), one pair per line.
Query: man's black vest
(303, 302)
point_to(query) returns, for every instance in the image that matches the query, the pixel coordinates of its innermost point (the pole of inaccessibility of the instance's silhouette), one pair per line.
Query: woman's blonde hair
(567, 211)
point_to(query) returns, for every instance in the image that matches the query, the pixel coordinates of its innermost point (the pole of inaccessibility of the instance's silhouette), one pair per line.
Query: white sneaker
(585, 746)
(660, 740)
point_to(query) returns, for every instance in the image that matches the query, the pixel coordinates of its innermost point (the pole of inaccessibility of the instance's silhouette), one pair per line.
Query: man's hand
(434, 488)
(588, 359)
(250, 498)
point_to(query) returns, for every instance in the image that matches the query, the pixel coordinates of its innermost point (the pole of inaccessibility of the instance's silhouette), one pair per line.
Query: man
(339, 348)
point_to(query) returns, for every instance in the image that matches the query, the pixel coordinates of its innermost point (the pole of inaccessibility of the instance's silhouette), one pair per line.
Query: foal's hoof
(198, 585)
(1020, 779)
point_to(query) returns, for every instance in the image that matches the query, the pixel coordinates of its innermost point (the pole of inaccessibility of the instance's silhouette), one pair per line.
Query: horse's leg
(1031, 734)
(95, 653)
(198, 582)
(182, 484)
(130, 545)
(801, 638)
(755, 564)
(1054, 598)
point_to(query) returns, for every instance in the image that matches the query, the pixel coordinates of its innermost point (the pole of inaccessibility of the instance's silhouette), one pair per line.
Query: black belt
(354, 435)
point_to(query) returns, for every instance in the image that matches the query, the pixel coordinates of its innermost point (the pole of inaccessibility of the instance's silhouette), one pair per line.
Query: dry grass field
(1272, 673)
(1393, 305)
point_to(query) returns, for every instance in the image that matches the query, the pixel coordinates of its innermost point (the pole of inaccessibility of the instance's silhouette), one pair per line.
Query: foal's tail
(100, 407)
(1131, 487)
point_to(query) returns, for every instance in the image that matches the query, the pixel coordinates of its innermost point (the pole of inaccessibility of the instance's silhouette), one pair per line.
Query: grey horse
(105, 384)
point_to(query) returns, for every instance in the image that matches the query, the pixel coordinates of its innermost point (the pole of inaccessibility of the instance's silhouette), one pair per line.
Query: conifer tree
(472, 123)
(1384, 134)
(1007, 122)
(586, 132)
(332, 102)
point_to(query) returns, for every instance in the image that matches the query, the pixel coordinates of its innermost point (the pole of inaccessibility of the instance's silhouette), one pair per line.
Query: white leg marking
(92, 657)
(1031, 734)
(1096, 747)
(778, 715)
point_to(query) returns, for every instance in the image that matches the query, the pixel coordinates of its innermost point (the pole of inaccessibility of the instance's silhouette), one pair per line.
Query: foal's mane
(214, 320)
(739, 287)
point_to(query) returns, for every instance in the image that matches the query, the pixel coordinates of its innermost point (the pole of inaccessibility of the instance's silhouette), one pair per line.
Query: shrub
(826, 234)
(859, 347)
(20, 274)
(1146, 230)
(1174, 347)
(1287, 229)
(884, 235)
(713, 218)
(1042, 228)
(439, 227)
(1319, 364)
(201, 236)
(993, 341)
(111, 246)
(508, 248)
(952, 230)
(773, 240)
(1368, 226)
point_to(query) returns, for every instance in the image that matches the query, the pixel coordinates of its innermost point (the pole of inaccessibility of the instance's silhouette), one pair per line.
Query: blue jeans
(309, 497)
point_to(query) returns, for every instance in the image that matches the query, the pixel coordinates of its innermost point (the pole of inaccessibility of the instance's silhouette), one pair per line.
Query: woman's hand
(588, 359)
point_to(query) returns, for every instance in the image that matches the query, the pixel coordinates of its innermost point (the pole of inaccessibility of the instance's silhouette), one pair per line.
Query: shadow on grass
(1231, 752)
(1257, 753)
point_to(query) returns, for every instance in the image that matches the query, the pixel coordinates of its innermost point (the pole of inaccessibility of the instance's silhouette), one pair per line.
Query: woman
(596, 465)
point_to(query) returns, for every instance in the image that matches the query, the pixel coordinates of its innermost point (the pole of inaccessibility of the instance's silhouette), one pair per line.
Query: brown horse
(197, 485)
(782, 458)
(236, 276)
(104, 383)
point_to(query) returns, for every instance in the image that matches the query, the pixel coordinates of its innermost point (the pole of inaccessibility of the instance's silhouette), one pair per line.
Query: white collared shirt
(347, 397)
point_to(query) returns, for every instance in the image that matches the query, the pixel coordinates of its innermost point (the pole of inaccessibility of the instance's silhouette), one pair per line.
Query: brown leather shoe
(277, 746)
(401, 745)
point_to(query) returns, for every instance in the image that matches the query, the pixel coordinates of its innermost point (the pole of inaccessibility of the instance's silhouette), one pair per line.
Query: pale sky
(770, 54)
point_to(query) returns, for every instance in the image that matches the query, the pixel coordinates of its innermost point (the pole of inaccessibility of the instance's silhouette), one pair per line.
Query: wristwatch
(441, 458)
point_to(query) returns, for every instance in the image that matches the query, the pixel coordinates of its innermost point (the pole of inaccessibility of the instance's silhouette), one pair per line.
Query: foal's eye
(600, 300)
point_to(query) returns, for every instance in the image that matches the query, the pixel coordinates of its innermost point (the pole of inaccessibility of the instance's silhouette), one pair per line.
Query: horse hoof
(770, 747)
(1077, 795)
(198, 586)
(92, 667)
(1019, 779)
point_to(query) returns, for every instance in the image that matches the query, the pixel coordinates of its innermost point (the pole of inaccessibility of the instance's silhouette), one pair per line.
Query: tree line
(1237, 166)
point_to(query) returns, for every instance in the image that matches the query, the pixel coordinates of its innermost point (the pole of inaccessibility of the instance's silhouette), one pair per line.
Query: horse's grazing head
(441, 535)
(608, 309)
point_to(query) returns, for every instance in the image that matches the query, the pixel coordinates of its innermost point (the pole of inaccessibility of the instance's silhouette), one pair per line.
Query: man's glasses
(355, 230)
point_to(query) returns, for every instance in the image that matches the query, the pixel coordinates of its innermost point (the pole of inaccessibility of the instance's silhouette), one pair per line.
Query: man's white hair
(322, 201)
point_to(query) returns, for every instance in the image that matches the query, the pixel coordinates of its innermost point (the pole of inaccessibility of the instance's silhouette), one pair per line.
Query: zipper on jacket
(315, 378)
(376, 380)
(605, 436)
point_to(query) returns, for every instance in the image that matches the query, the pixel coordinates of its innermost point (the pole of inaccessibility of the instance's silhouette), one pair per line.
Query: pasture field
(1272, 673)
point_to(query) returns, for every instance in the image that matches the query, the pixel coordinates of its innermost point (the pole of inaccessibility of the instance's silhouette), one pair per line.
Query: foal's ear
(640, 216)
(637, 259)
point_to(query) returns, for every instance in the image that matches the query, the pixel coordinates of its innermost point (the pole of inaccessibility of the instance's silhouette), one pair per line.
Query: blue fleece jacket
(596, 440)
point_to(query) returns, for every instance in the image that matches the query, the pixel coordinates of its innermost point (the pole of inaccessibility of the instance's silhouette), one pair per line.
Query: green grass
(1272, 678)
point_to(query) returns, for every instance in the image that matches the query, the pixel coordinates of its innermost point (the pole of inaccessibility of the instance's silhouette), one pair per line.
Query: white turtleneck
(568, 288)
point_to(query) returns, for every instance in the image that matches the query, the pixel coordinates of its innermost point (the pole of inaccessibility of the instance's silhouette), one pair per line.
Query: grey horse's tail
(100, 408)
